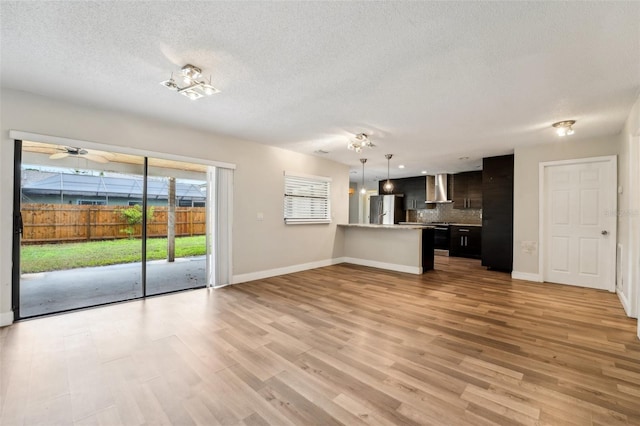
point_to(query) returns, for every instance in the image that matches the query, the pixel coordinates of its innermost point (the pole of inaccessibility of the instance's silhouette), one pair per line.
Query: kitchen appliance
(437, 189)
(386, 209)
(441, 236)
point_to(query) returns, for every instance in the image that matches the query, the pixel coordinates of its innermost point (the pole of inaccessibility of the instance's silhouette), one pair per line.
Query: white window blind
(306, 199)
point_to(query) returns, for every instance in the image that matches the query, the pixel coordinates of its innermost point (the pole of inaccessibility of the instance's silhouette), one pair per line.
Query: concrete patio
(56, 291)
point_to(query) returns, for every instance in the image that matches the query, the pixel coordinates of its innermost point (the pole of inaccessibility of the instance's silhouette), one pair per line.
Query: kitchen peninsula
(402, 248)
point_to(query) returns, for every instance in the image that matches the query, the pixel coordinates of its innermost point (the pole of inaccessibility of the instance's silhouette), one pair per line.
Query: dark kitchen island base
(427, 249)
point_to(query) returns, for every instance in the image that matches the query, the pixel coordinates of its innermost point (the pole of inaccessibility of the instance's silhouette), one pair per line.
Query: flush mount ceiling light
(195, 88)
(361, 141)
(564, 128)
(388, 186)
(363, 190)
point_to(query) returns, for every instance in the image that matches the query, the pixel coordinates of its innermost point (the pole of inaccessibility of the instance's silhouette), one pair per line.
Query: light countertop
(441, 224)
(373, 226)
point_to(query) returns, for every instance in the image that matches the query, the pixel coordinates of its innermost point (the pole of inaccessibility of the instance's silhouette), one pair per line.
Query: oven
(441, 237)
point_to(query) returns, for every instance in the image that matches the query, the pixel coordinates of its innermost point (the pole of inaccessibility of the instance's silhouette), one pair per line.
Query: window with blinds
(306, 199)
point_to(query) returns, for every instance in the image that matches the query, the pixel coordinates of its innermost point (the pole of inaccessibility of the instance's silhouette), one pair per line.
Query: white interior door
(580, 223)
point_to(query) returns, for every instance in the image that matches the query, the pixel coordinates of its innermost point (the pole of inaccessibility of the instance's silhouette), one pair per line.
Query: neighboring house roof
(127, 187)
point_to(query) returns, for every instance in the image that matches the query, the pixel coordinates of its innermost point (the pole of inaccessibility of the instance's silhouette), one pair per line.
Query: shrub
(133, 216)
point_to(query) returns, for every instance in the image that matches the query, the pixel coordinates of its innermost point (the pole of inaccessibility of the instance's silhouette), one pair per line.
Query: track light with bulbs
(361, 141)
(195, 88)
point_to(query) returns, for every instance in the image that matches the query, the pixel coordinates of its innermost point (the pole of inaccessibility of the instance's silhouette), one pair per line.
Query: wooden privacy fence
(58, 223)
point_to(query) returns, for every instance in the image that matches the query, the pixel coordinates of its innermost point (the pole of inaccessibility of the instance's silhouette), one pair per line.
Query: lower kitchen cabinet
(466, 241)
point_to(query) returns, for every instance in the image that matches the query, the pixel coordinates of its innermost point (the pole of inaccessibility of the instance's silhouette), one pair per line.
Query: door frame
(16, 229)
(18, 137)
(613, 161)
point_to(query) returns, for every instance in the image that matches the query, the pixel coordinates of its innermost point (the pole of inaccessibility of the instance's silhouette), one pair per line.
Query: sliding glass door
(80, 246)
(176, 225)
(101, 227)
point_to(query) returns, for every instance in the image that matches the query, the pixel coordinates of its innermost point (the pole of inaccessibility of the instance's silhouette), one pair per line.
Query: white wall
(260, 248)
(525, 199)
(628, 212)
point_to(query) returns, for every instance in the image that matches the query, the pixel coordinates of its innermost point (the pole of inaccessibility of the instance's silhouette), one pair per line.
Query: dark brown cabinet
(414, 190)
(467, 190)
(497, 212)
(415, 193)
(466, 241)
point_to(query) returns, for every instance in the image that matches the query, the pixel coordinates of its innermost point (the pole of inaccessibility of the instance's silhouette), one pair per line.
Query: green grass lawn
(54, 257)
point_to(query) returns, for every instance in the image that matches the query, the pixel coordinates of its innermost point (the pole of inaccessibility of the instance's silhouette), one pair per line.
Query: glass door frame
(17, 234)
(17, 230)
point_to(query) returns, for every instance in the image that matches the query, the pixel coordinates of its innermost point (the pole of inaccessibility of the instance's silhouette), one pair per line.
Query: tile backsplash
(446, 213)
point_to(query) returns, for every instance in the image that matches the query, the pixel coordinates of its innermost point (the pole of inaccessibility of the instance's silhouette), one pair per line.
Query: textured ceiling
(430, 82)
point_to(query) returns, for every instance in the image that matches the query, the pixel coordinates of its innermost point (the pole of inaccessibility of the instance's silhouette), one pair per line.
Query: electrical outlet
(260, 216)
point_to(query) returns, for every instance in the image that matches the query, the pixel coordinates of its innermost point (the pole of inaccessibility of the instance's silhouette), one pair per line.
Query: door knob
(604, 233)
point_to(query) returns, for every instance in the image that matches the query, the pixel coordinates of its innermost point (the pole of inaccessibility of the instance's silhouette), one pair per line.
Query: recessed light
(424, 172)
(401, 166)
(463, 158)
(320, 151)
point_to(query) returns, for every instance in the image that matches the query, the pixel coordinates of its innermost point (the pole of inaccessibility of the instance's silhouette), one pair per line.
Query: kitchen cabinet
(415, 193)
(497, 212)
(466, 241)
(467, 190)
(414, 190)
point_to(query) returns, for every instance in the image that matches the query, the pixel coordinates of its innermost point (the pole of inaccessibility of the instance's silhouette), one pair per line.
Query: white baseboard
(259, 275)
(383, 265)
(6, 318)
(526, 276)
(625, 304)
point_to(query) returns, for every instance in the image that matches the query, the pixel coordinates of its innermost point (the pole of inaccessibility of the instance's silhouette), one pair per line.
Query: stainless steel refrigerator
(386, 209)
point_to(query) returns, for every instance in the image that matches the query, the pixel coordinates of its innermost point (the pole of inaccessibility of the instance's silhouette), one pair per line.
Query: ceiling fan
(78, 152)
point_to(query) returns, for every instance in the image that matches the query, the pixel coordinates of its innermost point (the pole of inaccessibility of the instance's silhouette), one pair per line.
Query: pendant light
(363, 190)
(388, 186)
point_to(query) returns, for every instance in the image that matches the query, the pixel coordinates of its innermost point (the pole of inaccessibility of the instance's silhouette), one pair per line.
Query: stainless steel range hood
(437, 189)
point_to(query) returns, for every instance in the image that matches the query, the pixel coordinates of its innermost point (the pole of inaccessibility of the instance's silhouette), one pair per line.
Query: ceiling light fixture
(195, 87)
(388, 186)
(401, 166)
(361, 141)
(564, 128)
(363, 190)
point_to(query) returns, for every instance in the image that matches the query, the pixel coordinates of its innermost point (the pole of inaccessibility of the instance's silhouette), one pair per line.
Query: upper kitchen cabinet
(467, 190)
(415, 193)
(414, 190)
(497, 213)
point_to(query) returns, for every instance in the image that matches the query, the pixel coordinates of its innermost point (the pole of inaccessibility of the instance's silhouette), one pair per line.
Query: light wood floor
(342, 344)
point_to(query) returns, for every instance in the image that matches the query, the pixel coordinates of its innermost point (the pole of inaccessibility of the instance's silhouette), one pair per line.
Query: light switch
(260, 216)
